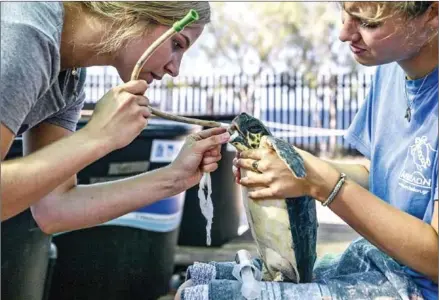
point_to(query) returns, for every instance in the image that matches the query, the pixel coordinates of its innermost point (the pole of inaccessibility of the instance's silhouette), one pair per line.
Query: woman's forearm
(402, 236)
(89, 205)
(356, 172)
(28, 179)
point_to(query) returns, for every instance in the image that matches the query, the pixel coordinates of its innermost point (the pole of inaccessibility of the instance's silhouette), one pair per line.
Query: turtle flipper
(287, 153)
(301, 211)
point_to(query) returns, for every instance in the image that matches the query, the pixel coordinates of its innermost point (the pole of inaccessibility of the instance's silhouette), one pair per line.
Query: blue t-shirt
(403, 155)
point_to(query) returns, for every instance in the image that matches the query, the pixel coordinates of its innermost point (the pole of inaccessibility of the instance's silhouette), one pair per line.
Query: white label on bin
(121, 168)
(148, 221)
(105, 179)
(153, 221)
(165, 150)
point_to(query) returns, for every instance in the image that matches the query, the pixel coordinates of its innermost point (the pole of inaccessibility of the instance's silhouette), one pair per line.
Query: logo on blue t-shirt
(416, 172)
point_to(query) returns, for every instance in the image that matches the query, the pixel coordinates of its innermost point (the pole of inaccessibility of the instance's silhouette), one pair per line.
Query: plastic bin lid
(160, 127)
(168, 128)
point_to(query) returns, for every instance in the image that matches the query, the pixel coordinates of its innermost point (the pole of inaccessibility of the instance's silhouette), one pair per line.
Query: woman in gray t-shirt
(42, 42)
(45, 48)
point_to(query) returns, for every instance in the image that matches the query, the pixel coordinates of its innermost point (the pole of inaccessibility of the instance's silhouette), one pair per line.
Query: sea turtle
(285, 230)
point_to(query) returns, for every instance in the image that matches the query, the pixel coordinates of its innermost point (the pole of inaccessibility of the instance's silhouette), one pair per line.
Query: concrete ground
(331, 238)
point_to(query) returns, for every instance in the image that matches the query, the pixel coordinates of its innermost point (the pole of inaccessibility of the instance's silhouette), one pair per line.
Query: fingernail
(225, 136)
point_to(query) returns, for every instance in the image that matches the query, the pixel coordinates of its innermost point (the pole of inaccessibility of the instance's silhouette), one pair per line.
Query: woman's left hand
(276, 181)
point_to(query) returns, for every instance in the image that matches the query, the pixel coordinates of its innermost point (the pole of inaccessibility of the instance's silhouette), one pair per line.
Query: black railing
(317, 110)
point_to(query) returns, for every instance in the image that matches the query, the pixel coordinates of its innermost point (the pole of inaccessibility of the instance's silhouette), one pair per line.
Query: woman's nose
(173, 67)
(349, 31)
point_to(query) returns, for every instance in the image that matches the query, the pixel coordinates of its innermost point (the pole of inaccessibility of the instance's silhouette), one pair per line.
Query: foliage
(275, 36)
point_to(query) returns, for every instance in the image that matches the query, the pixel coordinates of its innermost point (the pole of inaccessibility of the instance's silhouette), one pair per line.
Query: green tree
(298, 37)
(258, 36)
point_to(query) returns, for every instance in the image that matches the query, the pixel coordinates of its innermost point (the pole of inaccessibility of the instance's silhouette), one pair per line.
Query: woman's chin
(125, 78)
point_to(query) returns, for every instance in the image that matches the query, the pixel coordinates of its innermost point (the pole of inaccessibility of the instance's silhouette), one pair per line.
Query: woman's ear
(433, 19)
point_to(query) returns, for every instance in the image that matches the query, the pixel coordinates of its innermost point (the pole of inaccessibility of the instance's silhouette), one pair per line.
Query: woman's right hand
(200, 153)
(120, 115)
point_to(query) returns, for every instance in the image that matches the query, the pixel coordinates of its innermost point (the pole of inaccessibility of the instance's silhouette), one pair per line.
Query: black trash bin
(228, 214)
(53, 255)
(16, 149)
(131, 257)
(26, 256)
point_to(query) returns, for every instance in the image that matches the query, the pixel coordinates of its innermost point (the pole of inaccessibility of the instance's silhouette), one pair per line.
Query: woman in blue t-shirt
(391, 201)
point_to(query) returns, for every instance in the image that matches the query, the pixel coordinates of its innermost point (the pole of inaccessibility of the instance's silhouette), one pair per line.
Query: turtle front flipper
(301, 211)
(286, 152)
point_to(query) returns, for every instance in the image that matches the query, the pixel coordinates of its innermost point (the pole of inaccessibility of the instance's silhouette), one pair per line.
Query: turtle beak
(232, 128)
(233, 131)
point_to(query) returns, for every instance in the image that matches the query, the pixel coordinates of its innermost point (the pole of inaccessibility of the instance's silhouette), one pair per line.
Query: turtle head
(246, 132)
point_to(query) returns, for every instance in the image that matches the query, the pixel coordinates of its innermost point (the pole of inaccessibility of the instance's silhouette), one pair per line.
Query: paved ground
(331, 238)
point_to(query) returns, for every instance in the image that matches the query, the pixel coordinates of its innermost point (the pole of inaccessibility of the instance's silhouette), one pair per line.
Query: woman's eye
(177, 45)
(369, 25)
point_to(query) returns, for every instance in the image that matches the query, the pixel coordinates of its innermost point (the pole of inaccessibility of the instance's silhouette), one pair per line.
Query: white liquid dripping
(206, 204)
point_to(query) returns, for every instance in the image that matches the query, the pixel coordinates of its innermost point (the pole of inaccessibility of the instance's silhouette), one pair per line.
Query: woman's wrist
(103, 146)
(335, 190)
(322, 186)
(177, 178)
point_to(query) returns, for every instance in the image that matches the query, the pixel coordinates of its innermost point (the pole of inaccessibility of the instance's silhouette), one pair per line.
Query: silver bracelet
(335, 190)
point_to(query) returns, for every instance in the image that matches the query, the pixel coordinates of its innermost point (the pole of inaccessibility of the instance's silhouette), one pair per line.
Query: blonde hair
(384, 10)
(133, 19)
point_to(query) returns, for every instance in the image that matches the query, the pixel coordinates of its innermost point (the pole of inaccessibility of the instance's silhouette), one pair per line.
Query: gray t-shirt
(33, 89)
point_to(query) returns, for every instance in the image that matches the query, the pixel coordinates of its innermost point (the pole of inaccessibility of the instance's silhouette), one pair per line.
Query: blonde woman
(391, 202)
(46, 47)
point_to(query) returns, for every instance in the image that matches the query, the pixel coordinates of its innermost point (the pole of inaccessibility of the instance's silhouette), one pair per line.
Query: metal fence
(310, 112)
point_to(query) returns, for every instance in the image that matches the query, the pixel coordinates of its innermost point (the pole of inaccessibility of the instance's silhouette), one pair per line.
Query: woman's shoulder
(45, 17)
